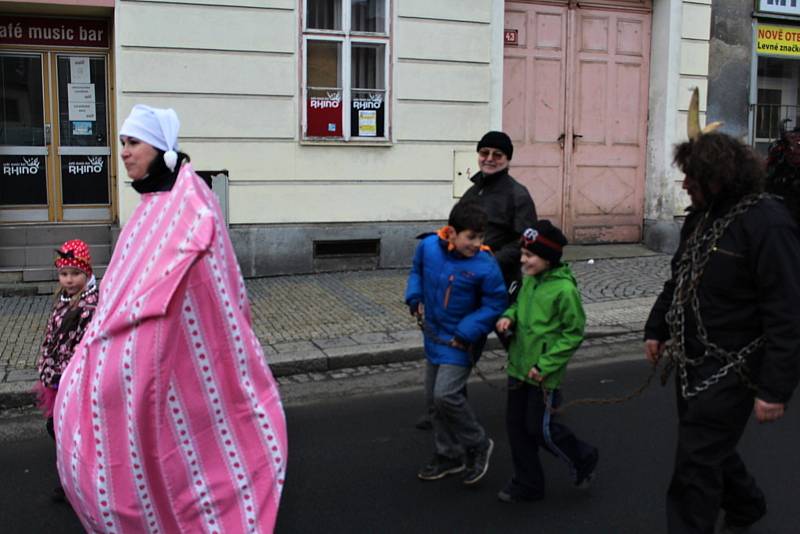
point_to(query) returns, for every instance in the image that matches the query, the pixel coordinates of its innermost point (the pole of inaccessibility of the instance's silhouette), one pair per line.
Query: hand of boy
(535, 374)
(457, 343)
(503, 324)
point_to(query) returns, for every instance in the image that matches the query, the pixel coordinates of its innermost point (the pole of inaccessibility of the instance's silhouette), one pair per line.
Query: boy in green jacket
(548, 320)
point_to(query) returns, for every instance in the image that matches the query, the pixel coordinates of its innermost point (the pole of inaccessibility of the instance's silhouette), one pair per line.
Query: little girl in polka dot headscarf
(73, 309)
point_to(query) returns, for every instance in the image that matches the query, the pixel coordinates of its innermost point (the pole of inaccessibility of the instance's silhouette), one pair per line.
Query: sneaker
(586, 473)
(512, 493)
(478, 463)
(440, 467)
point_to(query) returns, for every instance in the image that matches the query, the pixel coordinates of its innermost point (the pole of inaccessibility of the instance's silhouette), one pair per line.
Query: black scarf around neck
(160, 177)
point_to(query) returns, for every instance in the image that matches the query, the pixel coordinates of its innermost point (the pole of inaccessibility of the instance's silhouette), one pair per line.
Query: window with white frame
(346, 69)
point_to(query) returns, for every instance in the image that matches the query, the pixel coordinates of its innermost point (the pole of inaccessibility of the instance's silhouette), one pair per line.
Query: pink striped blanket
(168, 419)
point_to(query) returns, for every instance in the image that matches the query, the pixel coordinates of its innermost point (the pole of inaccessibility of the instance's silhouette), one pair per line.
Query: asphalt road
(353, 461)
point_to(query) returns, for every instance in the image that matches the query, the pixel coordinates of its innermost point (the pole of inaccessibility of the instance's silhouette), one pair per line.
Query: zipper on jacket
(727, 252)
(449, 288)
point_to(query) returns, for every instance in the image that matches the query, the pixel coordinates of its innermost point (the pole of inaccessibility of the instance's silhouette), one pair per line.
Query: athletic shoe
(440, 467)
(478, 463)
(585, 474)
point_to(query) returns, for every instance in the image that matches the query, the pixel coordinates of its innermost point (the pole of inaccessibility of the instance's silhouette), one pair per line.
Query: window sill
(384, 143)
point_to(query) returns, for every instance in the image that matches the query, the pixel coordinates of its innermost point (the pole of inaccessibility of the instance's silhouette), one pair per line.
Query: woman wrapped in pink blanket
(168, 418)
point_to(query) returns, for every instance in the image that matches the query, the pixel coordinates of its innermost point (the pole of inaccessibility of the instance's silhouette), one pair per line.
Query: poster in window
(367, 115)
(82, 127)
(367, 123)
(23, 180)
(84, 179)
(324, 115)
(79, 70)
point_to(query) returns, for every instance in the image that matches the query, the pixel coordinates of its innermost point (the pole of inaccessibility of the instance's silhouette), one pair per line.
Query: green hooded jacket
(548, 322)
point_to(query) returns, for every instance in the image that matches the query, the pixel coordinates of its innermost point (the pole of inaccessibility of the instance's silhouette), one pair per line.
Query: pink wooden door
(575, 104)
(608, 76)
(534, 101)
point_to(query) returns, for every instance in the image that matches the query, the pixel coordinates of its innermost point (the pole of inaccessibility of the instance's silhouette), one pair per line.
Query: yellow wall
(230, 69)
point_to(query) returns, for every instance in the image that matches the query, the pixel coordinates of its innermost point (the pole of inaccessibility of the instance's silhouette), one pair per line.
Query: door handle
(560, 140)
(574, 137)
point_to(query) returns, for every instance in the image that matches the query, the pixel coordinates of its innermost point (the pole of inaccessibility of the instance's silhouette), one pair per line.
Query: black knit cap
(498, 140)
(544, 240)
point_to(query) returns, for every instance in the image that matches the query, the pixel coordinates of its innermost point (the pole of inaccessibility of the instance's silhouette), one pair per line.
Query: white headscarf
(156, 127)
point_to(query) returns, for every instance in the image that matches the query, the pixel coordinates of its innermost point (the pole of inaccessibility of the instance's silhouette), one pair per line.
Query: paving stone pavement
(325, 322)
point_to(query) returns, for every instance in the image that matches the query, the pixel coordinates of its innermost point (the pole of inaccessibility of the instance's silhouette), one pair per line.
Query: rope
(427, 332)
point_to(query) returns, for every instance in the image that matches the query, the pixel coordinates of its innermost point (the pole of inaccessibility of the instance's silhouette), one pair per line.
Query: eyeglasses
(489, 153)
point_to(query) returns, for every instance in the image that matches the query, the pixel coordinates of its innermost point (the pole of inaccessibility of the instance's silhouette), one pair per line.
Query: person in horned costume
(168, 418)
(727, 322)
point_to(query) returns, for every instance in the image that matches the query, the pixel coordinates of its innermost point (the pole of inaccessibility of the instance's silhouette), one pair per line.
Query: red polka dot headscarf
(75, 253)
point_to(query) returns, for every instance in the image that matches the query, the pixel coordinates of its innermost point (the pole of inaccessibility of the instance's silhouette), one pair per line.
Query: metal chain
(689, 273)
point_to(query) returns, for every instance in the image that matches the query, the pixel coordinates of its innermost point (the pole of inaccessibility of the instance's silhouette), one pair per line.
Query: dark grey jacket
(511, 210)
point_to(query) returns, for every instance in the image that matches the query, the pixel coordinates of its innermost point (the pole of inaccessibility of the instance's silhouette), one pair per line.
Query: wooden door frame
(50, 105)
(639, 7)
(56, 132)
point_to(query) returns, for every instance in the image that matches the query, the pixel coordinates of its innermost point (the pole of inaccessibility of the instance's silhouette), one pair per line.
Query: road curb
(310, 357)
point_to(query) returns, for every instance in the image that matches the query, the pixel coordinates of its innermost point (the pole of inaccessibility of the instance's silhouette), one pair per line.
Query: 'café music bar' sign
(19, 30)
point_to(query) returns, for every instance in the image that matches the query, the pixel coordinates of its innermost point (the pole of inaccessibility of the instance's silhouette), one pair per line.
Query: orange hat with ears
(75, 254)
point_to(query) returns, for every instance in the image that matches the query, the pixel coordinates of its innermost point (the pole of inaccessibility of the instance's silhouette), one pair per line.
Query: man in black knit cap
(507, 202)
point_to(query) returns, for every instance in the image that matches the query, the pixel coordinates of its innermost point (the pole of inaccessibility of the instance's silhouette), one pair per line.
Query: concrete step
(43, 256)
(27, 251)
(53, 234)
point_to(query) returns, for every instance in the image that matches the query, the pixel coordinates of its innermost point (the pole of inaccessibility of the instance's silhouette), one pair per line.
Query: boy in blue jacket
(457, 290)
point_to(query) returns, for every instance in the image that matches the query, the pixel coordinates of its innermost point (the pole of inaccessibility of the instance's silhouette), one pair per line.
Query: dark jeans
(709, 475)
(530, 426)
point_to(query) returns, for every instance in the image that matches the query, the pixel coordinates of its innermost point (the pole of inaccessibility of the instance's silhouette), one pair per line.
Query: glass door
(24, 138)
(54, 137)
(83, 188)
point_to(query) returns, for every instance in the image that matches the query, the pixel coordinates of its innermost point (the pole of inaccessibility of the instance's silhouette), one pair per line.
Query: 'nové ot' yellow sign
(778, 40)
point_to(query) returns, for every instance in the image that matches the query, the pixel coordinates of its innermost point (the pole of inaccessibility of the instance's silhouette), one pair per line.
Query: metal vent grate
(348, 248)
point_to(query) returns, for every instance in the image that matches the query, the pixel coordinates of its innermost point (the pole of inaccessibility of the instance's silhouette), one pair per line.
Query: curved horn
(693, 119)
(716, 125)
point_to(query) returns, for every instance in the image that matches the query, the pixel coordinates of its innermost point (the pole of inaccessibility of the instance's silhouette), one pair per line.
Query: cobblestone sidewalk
(306, 321)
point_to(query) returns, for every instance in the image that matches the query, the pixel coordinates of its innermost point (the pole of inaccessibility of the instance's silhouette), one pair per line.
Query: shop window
(346, 70)
(778, 99)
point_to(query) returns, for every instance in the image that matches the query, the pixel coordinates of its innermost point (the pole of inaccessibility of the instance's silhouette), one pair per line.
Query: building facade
(347, 127)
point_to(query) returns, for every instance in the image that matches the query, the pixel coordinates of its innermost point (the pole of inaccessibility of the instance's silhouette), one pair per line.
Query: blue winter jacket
(463, 297)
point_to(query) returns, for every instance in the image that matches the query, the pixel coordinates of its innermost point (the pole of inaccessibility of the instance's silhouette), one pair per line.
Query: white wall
(679, 62)
(230, 69)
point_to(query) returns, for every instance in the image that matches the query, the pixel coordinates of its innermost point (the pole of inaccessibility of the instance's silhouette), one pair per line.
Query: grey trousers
(455, 427)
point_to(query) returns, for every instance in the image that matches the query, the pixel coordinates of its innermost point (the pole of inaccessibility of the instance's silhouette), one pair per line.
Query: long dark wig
(718, 158)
